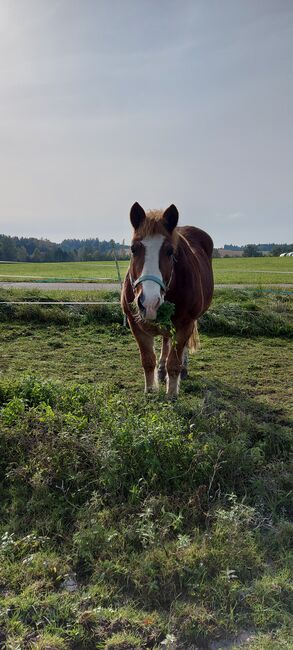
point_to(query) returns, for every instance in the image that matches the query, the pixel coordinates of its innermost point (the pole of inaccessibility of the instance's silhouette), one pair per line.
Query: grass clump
(234, 319)
(243, 313)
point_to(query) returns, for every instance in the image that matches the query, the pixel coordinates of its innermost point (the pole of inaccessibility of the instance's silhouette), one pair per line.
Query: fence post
(119, 280)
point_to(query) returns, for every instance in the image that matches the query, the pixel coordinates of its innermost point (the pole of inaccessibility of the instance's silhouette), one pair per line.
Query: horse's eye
(135, 249)
(169, 251)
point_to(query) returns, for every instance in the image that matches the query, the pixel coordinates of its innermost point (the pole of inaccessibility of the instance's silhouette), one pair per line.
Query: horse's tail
(194, 342)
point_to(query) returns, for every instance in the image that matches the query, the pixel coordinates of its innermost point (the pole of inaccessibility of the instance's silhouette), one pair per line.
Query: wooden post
(119, 280)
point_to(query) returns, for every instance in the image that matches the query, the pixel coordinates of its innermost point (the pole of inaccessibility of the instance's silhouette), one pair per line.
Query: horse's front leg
(175, 361)
(148, 358)
(149, 363)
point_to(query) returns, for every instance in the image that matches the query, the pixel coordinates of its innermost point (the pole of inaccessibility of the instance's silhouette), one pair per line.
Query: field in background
(267, 270)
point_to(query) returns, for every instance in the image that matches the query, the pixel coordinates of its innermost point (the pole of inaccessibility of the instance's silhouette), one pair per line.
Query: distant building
(226, 252)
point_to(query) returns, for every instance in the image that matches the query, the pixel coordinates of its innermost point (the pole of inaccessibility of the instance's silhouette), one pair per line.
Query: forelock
(153, 225)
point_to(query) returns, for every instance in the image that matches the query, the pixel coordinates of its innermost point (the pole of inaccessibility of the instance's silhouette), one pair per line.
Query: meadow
(266, 270)
(132, 522)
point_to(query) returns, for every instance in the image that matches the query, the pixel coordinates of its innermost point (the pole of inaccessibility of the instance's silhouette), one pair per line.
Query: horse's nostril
(140, 303)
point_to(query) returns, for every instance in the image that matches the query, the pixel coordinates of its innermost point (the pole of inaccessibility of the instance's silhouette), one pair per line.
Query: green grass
(62, 270)
(95, 353)
(35, 294)
(259, 271)
(172, 520)
(249, 312)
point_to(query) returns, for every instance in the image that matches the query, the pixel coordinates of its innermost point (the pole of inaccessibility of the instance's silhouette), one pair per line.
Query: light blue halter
(153, 278)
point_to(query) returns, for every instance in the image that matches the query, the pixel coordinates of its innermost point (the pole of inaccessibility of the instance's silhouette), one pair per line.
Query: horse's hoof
(184, 373)
(172, 396)
(151, 390)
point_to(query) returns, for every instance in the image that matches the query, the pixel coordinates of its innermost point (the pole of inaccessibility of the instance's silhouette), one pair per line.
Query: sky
(107, 102)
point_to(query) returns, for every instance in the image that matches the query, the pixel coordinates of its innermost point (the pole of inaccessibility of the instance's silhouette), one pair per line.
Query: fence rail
(57, 302)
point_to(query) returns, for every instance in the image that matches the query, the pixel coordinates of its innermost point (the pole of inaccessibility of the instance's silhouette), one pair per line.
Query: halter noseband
(153, 278)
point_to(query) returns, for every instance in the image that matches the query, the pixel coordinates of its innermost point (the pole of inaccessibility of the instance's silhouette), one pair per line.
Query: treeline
(260, 247)
(257, 250)
(281, 248)
(30, 249)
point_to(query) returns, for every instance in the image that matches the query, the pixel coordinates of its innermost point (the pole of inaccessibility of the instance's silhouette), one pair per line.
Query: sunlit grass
(260, 271)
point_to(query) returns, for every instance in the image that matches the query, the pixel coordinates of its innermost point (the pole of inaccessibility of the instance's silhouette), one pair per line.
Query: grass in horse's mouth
(164, 316)
(165, 312)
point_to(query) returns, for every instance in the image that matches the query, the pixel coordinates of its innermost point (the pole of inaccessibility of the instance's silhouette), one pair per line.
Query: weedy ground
(129, 522)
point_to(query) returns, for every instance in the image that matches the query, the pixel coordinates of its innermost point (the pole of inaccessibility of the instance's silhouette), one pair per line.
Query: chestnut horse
(172, 264)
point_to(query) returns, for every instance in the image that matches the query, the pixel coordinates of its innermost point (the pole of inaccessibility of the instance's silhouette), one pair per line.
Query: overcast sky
(107, 102)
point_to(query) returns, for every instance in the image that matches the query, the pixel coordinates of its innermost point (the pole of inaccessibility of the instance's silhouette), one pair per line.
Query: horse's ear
(170, 218)
(137, 215)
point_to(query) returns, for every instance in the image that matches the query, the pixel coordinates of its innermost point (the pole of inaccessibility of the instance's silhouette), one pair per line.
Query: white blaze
(151, 290)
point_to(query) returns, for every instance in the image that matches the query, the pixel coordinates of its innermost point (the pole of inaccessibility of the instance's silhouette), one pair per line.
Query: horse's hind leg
(184, 370)
(175, 360)
(162, 372)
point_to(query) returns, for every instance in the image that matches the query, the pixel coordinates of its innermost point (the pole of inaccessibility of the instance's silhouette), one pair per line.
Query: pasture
(266, 270)
(131, 522)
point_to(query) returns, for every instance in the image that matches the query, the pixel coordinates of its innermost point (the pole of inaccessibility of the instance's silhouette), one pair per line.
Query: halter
(153, 278)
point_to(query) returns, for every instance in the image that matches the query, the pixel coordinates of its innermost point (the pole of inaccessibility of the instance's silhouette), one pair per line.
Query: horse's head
(152, 247)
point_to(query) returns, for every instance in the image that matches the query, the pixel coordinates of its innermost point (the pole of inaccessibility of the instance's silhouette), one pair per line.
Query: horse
(172, 264)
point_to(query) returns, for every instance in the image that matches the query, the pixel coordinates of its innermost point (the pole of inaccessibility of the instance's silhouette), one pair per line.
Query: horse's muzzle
(148, 311)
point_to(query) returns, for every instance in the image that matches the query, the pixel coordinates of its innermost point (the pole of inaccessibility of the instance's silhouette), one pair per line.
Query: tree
(281, 248)
(21, 254)
(9, 249)
(36, 256)
(251, 250)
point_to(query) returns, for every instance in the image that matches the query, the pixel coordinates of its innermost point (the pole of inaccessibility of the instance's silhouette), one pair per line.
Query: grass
(61, 270)
(249, 312)
(259, 271)
(172, 522)
(57, 294)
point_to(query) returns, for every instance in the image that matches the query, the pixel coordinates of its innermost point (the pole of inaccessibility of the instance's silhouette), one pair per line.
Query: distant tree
(265, 247)
(9, 249)
(216, 252)
(59, 255)
(251, 250)
(36, 256)
(277, 249)
(21, 254)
